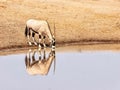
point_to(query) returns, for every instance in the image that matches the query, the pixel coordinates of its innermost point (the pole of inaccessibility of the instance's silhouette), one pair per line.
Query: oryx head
(53, 43)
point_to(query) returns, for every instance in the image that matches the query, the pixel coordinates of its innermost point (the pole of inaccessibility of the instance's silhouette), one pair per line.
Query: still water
(73, 71)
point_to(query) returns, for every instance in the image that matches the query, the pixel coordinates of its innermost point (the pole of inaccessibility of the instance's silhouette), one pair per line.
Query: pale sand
(75, 20)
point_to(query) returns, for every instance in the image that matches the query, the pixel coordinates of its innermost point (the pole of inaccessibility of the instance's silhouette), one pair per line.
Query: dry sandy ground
(75, 20)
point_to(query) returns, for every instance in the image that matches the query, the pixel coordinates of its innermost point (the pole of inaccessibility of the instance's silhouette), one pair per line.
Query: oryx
(40, 27)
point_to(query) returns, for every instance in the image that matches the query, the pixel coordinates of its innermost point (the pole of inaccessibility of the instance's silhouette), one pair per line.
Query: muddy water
(99, 70)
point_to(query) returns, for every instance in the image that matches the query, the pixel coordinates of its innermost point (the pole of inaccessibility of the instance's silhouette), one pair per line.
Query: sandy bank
(75, 20)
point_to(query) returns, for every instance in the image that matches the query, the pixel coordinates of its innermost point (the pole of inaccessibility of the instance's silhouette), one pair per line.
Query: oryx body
(40, 27)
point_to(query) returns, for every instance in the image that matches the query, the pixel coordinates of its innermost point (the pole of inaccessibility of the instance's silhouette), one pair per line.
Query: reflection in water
(75, 71)
(42, 64)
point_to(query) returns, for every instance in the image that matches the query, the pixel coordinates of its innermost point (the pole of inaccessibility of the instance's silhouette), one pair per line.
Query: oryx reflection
(39, 66)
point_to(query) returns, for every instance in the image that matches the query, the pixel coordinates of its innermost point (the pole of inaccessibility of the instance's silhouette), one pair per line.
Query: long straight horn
(53, 39)
(54, 30)
(26, 31)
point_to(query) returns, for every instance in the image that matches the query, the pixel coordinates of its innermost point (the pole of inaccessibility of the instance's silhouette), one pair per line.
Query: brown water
(85, 70)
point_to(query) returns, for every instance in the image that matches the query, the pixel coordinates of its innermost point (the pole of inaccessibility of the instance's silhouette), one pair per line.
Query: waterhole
(86, 70)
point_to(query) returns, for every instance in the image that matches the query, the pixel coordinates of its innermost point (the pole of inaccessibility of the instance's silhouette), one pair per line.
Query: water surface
(74, 71)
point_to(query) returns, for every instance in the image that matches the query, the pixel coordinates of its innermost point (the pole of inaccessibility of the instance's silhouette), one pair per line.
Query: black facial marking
(53, 43)
(40, 36)
(44, 37)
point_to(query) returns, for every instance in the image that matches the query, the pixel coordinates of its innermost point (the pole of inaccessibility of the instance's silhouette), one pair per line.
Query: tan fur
(40, 26)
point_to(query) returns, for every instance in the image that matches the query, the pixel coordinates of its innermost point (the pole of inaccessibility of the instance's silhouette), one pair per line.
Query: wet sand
(68, 48)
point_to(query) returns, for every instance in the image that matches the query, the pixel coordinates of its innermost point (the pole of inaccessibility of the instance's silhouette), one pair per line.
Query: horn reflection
(37, 63)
